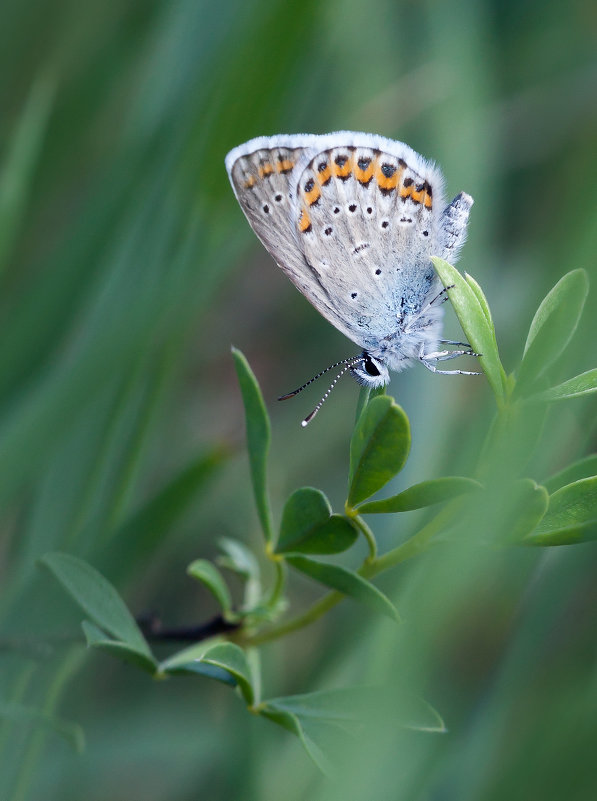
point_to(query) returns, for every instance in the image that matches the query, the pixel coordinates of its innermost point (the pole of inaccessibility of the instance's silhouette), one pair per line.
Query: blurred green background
(127, 272)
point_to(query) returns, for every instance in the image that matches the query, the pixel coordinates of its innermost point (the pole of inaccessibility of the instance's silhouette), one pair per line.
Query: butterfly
(352, 219)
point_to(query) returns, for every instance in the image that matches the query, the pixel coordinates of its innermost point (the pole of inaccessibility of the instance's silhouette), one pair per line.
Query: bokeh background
(127, 272)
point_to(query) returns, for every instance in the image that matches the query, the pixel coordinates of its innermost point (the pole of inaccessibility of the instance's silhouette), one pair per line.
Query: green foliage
(378, 449)
(127, 269)
(500, 509)
(308, 525)
(258, 437)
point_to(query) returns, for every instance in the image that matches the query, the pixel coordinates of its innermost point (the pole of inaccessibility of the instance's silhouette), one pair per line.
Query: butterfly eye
(370, 367)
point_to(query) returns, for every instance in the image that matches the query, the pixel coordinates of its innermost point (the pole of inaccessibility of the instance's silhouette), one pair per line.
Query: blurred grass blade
(96, 638)
(308, 525)
(473, 313)
(378, 449)
(583, 384)
(19, 164)
(552, 327)
(571, 516)
(347, 582)
(258, 438)
(211, 578)
(583, 468)
(12, 712)
(97, 598)
(146, 528)
(419, 496)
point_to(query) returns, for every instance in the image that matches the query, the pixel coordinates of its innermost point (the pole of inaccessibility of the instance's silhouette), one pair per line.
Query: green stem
(310, 616)
(279, 584)
(418, 543)
(368, 534)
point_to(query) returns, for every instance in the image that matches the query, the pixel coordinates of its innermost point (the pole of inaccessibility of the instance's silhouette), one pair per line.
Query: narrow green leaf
(571, 516)
(230, 657)
(552, 327)
(583, 468)
(472, 313)
(211, 578)
(308, 525)
(20, 713)
(258, 438)
(481, 298)
(96, 638)
(225, 662)
(419, 496)
(378, 449)
(97, 598)
(582, 384)
(346, 582)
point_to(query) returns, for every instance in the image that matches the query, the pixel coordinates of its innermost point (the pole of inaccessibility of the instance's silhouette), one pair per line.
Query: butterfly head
(370, 372)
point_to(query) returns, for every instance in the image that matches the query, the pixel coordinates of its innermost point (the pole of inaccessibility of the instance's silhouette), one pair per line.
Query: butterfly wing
(263, 175)
(351, 219)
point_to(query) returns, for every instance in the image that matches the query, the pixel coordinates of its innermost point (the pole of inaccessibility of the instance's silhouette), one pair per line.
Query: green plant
(498, 506)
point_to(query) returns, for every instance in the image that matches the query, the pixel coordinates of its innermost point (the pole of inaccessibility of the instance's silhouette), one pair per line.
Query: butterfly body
(353, 219)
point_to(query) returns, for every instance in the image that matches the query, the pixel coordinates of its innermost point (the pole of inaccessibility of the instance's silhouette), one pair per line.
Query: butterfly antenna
(347, 365)
(350, 361)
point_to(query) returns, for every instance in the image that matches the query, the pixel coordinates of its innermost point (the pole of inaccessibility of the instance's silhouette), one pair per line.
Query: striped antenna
(347, 365)
(351, 361)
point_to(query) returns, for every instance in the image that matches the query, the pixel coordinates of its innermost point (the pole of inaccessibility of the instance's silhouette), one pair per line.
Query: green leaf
(378, 449)
(209, 575)
(576, 387)
(330, 722)
(419, 496)
(96, 638)
(225, 662)
(97, 598)
(473, 313)
(571, 517)
(553, 326)
(583, 468)
(481, 298)
(308, 525)
(238, 558)
(258, 437)
(20, 713)
(347, 582)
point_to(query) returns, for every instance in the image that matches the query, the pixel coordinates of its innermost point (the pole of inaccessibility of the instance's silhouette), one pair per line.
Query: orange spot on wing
(323, 176)
(364, 176)
(388, 183)
(313, 195)
(285, 165)
(265, 170)
(345, 168)
(304, 222)
(428, 201)
(250, 182)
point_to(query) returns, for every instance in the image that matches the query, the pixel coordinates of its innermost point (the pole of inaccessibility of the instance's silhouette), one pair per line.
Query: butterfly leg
(426, 360)
(453, 224)
(452, 342)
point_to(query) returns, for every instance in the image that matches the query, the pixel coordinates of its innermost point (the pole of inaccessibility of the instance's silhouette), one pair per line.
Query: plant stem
(368, 534)
(418, 543)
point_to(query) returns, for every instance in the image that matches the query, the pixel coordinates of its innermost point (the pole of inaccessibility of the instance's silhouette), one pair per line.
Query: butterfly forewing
(351, 219)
